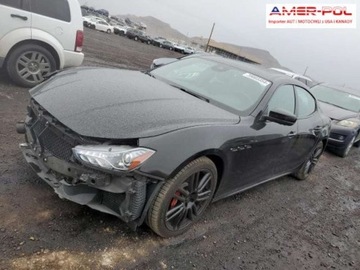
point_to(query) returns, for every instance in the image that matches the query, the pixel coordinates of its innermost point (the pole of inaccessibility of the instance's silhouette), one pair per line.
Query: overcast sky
(331, 55)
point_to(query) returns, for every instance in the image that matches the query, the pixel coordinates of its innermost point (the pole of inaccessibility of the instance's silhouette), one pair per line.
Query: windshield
(219, 83)
(337, 98)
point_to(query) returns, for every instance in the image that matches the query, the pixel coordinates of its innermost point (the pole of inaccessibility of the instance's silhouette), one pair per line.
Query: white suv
(38, 37)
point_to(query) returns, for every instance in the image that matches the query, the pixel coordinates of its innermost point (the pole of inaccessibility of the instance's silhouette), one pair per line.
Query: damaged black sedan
(160, 146)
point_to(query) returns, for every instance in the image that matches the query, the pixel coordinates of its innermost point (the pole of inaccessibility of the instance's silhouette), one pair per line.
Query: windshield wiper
(191, 93)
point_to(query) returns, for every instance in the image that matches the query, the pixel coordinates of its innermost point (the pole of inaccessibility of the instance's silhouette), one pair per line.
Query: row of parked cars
(101, 24)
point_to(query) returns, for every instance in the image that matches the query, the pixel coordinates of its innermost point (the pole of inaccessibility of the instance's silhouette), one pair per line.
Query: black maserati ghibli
(159, 146)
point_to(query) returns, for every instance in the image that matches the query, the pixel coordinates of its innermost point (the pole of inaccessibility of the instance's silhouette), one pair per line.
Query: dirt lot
(284, 224)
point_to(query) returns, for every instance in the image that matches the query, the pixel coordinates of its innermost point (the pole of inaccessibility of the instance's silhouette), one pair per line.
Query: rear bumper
(72, 59)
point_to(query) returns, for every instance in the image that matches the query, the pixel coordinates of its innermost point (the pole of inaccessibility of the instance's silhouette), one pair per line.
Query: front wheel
(28, 64)
(309, 164)
(183, 199)
(108, 31)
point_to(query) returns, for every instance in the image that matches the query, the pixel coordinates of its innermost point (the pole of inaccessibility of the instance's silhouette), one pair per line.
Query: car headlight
(119, 158)
(347, 123)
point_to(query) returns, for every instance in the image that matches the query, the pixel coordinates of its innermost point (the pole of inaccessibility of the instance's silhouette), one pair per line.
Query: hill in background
(158, 28)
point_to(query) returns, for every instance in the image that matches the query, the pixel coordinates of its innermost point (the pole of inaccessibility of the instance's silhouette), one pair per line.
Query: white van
(38, 37)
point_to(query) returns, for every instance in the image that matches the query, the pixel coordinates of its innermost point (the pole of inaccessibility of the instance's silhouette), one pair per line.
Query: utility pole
(212, 30)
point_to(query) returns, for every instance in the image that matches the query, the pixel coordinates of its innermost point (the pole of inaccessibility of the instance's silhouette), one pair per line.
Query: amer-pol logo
(311, 16)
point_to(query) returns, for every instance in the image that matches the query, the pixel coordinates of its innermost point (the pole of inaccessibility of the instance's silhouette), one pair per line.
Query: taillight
(79, 40)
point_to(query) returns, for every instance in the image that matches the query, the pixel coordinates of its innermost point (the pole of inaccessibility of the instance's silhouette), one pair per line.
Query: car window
(283, 98)
(221, 83)
(337, 97)
(57, 9)
(306, 104)
(12, 3)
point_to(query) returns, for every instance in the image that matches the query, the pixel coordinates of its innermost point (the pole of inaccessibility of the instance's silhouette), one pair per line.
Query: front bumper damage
(125, 195)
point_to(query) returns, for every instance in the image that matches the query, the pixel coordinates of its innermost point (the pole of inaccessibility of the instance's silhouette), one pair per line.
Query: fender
(12, 38)
(40, 35)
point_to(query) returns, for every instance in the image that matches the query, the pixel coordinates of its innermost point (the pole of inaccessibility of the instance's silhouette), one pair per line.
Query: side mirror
(282, 117)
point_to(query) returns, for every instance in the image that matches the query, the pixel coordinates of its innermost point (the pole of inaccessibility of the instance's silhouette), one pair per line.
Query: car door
(265, 154)
(310, 126)
(15, 15)
(102, 26)
(53, 17)
(274, 141)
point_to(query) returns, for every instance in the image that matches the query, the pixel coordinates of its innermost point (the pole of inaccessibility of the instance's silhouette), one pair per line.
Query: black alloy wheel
(183, 199)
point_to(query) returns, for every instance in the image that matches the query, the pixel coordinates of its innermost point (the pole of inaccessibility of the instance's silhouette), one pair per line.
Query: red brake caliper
(174, 200)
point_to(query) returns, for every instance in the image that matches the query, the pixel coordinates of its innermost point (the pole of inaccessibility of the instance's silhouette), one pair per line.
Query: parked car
(157, 40)
(342, 105)
(158, 62)
(120, 30)
(305, 80)
(35, 43)
(183, 135)
(167, 45)
(138, 35)
(179, 48)
(189, 50)
(101, 25)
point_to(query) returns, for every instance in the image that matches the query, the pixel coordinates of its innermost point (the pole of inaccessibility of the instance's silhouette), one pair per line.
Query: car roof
(291, 74)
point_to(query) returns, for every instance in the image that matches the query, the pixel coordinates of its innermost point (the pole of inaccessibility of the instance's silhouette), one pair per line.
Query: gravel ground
(284, 224)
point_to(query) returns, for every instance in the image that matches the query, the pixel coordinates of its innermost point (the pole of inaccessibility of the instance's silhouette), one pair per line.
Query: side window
(305, 102)
(12, 3)
(57, 9)
(283, 98)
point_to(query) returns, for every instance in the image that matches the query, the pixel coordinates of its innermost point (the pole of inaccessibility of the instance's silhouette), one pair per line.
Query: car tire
(189, 192)
(136, 38)
(92, 26)
(108, 31)
(28, 64)
(160, 46)
(345, 152)
(303, 172)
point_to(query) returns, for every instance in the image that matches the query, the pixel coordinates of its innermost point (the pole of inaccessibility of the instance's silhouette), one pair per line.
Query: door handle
(292, 134)
(24, 18)
(317, 130)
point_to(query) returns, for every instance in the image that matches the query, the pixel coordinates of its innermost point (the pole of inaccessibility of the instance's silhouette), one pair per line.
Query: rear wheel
(310, 163)
(28, 64)
(183, 199)
(136, 38)
(108, 31)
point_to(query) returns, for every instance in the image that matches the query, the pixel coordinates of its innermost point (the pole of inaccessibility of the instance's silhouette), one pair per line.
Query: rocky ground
(284, 224)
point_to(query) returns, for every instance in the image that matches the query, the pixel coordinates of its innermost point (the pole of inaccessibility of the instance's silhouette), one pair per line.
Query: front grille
(50, 138)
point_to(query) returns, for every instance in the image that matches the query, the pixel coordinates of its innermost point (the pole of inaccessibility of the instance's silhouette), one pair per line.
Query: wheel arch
(214, 155)
(36, 42)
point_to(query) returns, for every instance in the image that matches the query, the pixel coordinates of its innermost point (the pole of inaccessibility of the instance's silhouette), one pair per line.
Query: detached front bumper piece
(48, 150)
(121, 196)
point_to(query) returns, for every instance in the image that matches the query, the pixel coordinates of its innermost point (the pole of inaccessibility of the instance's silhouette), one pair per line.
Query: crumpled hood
(337, 113)
(123, 104)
